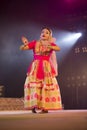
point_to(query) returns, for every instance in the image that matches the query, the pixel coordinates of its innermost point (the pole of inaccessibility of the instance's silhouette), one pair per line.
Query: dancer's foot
(43, 111)
(33, 110)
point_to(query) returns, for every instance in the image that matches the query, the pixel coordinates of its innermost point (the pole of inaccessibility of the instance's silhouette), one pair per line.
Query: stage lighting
(78, 35)
(72, 36)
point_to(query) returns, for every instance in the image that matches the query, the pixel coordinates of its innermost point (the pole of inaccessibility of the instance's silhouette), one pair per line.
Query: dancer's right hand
(24, 40)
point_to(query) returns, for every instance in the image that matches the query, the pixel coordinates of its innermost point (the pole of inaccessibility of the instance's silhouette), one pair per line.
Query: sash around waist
(41, 57)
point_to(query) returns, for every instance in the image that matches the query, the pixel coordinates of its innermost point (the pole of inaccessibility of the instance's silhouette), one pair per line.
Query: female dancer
(41, 89)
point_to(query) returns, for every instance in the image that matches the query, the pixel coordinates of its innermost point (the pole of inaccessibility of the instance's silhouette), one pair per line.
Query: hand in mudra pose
(24, 40)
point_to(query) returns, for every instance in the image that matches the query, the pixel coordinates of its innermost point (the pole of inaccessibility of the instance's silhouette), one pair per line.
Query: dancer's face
(45, 34)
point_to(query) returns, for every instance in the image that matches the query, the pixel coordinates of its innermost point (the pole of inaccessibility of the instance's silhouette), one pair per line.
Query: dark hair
(47, 29)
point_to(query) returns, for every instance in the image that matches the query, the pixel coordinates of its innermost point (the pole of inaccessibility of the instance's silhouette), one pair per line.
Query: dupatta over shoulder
(53, 58)
(53, 61)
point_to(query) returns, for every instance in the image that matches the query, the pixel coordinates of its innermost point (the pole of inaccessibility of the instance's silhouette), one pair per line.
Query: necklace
(44, 42)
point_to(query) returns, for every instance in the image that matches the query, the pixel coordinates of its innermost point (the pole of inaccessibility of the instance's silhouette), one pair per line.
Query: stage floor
(54, 120)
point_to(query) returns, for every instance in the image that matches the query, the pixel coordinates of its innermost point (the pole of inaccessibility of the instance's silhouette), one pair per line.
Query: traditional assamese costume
(41, 89)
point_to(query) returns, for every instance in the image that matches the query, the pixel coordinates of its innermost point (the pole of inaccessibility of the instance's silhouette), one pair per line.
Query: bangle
(25, 45)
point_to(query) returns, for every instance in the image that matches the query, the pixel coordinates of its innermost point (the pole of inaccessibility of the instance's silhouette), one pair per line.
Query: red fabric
(40, 74)
(41, 58)
(31, 45)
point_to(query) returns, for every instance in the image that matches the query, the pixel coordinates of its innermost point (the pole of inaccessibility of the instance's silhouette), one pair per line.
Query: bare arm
(24, 47)
(55, 48)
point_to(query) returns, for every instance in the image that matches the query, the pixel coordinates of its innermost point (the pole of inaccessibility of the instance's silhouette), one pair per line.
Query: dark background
(27, 17)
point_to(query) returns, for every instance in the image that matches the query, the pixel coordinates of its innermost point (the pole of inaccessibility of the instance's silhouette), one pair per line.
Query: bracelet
(25, 45)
